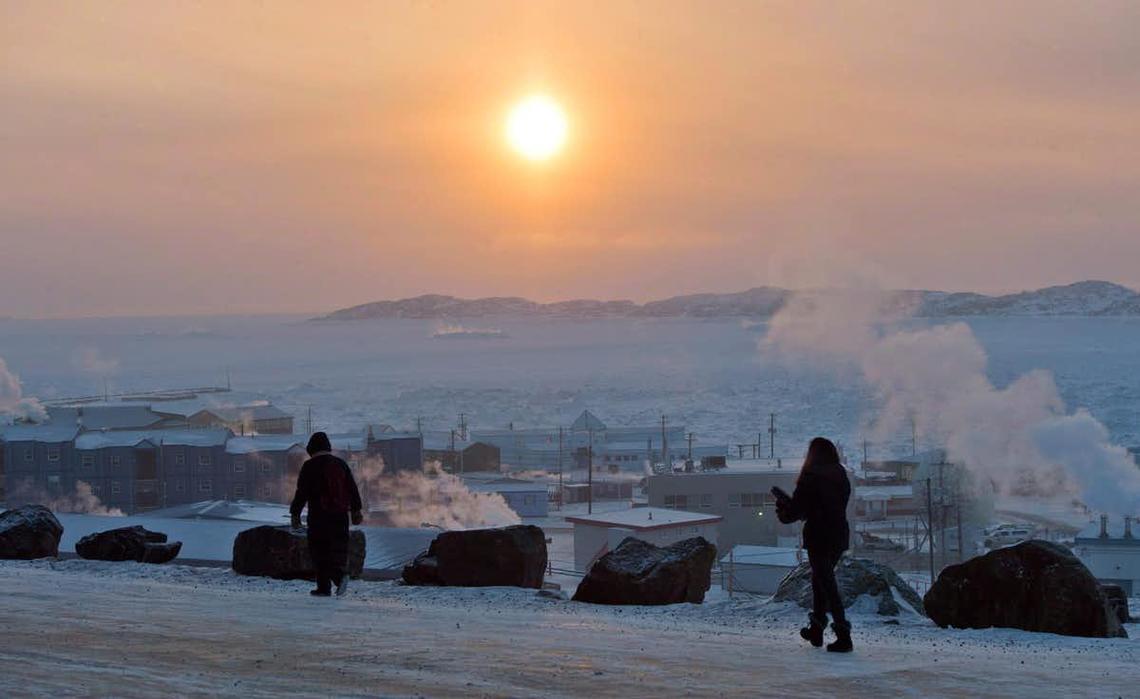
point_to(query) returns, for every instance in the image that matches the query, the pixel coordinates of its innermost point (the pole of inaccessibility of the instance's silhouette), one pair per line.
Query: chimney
(1127, 527)
(1104, 526)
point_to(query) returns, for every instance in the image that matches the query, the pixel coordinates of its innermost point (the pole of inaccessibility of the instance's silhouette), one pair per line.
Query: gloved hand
(357, 517)
(295, 521)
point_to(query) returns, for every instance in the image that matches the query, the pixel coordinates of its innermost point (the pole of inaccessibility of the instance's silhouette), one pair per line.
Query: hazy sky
(176, 157)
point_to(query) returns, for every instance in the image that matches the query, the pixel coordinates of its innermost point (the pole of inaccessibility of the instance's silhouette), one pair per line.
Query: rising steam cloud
(936, 376)
(13, 403)
(82, 501)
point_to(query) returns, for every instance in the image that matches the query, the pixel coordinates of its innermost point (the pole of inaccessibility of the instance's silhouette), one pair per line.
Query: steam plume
(936, 376)
(13, 402)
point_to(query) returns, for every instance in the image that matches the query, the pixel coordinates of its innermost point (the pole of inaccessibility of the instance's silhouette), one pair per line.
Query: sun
(537, 127)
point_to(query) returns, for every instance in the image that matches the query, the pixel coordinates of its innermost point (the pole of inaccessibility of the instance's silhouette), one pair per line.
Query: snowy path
(94, 629)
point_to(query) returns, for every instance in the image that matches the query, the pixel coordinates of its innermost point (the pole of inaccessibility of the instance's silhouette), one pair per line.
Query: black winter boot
(813, 632)
(842, 638)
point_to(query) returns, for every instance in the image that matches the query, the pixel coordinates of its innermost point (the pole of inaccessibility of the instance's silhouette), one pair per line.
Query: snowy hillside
(1089, 298)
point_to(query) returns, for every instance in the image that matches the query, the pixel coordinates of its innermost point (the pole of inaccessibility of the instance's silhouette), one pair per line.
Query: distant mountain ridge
(1088, 298)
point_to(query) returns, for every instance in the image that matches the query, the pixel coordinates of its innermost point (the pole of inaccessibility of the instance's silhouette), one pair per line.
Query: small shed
(758, 569)
(596, 534)
(1111, 551)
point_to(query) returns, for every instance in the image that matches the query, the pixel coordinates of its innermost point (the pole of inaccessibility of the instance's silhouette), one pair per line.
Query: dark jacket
(820, 500)
(326, 485)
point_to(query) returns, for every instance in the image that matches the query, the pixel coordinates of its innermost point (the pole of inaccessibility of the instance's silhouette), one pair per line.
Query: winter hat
(317, 443)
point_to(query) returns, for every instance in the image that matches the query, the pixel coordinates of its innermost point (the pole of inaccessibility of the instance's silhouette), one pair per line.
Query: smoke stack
(1127, 527)
(1104, 526)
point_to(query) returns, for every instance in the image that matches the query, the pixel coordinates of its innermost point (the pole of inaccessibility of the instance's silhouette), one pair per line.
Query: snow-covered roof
(884, 492)
(116, 438)
(191, 438)
(237, 413)
(515, 487)
(110, 417)
(641, 518)
(765, 555)
(1091, 533)
(263, 443)
(50, 433)
(587, 421)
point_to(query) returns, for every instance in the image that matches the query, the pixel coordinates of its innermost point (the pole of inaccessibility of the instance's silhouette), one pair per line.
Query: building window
(239, 465)
(180, 487)
(239, 490)
(53, 481)
(266, 491)
(29, 455)
(116, 460)
(706, 500)
(115, 487)
(205, 487)
(53, 454)
(87, 461)
(266, 467)
(734, 500)
(180, 458)
(670, 501)
(204, 460)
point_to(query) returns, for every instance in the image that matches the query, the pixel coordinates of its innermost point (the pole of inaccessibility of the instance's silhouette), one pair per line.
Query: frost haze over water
(706, 373)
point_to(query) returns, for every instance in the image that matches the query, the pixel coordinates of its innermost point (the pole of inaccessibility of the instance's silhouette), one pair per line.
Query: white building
(597, 534)
(1112, 552)
(526, 498)
(758, 569)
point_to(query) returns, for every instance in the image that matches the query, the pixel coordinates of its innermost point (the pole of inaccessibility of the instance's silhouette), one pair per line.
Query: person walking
(326, 485)
(820, 500)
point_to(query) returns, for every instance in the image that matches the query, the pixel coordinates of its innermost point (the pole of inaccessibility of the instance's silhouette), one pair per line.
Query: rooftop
(765, 555)
(642, 518)
(51, 433)
(110, 416)
(264, 442)
(260, 411)
(1091, 532)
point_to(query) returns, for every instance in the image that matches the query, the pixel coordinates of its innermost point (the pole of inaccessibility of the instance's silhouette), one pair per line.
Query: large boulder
(128, 544)
(856, 577)
(27, 532)
(283, 553)
(508, 556)
(637, 572)
(1035, 585)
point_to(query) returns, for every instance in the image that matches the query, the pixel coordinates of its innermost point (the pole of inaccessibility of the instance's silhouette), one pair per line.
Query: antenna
(772, 433)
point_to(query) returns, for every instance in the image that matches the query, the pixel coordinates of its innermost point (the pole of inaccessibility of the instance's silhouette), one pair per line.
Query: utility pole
(864, 452)
(958, 510)
(559, 468)
(913, 437)
(590, 474)
(929, 530)
(690, 446)
(772, 434)
(420, 426)
(463, 426)
(309, 421)
(664, 443)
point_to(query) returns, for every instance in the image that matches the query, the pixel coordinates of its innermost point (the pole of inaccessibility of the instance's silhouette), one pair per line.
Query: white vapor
(936, 376)
(13, 402)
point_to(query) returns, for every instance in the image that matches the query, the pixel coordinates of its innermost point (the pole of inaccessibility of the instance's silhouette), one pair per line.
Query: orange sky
(169, 157)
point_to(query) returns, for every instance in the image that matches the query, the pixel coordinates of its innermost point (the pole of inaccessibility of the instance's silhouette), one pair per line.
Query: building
(889, 472)
(193, 465)
(259, 418)
(400, 451)
(614, 449)
(758, 569)
(38, 459)
(125, 416)
(597, 534)
(877, 502)
(526, 498)
(457, 455)
(602, 489)
(263, 467)
(740, 494)
(1110, 549)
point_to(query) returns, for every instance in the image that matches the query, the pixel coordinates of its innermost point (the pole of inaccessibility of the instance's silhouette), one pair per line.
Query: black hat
(318, 442)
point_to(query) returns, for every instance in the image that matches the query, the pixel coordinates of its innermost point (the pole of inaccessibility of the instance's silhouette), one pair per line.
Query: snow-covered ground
(99, 629)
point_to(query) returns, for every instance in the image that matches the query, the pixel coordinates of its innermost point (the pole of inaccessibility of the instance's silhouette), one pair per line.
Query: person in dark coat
(820, 500)
(326, 485)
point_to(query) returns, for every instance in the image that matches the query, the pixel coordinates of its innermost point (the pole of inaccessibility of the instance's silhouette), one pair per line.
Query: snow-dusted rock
(128, 544)
(637, 572)
(283, 553)
(27, 532)
(1035, 586)
(856, 577)
(510, 556)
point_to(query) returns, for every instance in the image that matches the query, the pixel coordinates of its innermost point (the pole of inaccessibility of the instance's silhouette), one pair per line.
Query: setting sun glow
(536, 127)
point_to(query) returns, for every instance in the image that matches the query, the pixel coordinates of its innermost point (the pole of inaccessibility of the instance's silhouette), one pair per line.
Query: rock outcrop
(283, 553)
(28, 532)
(509, 556)
(856, 577)
(637, 572)
(1117, 602)
(1035, 585)
(128, 544)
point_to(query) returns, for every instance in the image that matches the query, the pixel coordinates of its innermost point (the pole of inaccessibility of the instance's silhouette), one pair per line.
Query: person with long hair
(820, 500)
